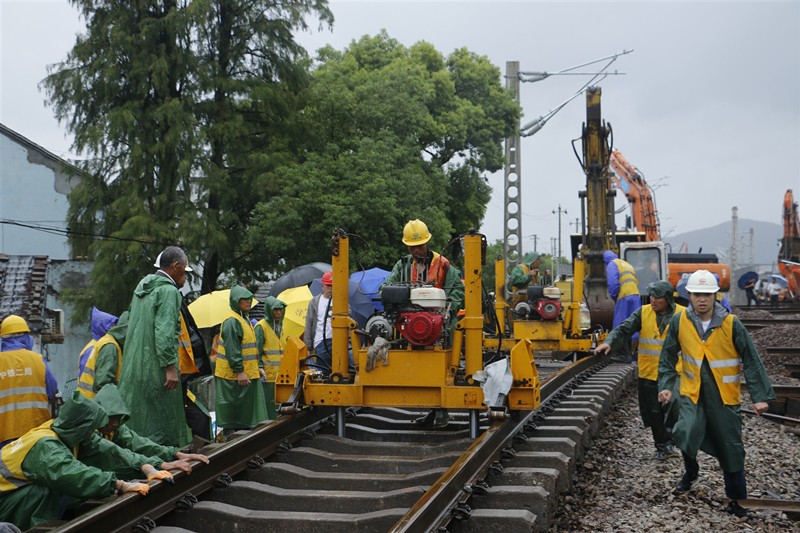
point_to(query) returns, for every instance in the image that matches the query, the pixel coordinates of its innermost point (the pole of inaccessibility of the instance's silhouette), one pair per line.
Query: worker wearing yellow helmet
(29, 387)
(715, 350)
(424, 266)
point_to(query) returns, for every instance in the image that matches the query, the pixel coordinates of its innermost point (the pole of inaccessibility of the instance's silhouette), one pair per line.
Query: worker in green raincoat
(137, 449)
(526, 272)
(238, 371)
(651, 321)
(715, 351)
(104, 364)
(270, 343)
(150, 379)
(40, 468)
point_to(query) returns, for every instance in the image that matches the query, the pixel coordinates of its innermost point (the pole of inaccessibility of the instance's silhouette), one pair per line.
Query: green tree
(394, 133)
(183, 109)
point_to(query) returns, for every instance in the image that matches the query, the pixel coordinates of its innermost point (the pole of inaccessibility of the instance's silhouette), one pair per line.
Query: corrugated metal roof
(23, 288)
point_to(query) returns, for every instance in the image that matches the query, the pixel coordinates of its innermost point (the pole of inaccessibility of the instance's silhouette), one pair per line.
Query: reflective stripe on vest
(86, 381)
(437, 271)
(271, 351)
(185, 351)
(13, 454)
(23, 400)
(628, 284)
(84, 356)
(722, 357)
(650, 343)
(249, 352)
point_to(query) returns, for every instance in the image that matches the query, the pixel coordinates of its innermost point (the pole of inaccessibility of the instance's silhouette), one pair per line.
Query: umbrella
(369, 281)
(361, 307)
(745, 278)
(302, 275)
(780, 280)
(294, 316)
(212, 308)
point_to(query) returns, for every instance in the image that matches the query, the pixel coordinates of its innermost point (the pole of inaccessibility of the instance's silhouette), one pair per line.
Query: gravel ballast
(620, 488)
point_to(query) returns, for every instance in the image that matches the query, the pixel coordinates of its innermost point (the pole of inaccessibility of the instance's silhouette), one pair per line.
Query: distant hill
(717, 239)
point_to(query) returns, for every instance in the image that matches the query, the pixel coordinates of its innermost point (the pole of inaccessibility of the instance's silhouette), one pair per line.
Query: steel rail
(756, 323)
(785, 420)
(124, 513)
(453, 489)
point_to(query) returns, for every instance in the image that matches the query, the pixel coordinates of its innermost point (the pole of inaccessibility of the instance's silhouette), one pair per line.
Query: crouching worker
(137, 449)
(42, 478)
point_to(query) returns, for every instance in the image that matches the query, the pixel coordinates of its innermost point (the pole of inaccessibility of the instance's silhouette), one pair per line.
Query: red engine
(548, 309)
(420, 328)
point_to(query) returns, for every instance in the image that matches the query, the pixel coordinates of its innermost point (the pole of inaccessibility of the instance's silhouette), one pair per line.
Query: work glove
(132, 486)
(177, 465)
(192, 457)
(152, 473)
(379, 351)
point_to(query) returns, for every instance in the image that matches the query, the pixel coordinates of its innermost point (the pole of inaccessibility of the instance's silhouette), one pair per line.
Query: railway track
(758, 323)
(386, 474)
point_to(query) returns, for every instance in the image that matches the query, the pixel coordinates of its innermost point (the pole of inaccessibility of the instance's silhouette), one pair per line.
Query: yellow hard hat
(13, 324)
(416, 233)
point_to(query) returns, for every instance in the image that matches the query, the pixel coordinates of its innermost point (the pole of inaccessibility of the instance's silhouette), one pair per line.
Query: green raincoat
(652, 412)
(130, 450)
(105, 366)
(54, 472)
(520, 278)
(710, 425)
(270, 304)
(151, 344)
(238, 407)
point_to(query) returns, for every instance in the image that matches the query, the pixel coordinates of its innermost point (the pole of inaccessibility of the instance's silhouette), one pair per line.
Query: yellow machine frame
(412, 378)
(562, 335)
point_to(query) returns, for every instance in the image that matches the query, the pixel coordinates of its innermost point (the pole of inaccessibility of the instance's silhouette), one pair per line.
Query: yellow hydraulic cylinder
(340, 321)
(473, 316)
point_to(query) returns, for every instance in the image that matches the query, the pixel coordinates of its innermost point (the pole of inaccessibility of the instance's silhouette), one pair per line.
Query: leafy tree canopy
(184, 109)
(393, 134)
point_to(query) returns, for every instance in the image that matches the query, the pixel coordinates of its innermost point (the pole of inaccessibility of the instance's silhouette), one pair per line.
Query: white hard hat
(157, 263)
(702, 281)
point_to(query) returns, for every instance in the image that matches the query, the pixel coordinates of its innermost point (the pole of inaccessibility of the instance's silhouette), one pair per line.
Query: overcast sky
(708, 108)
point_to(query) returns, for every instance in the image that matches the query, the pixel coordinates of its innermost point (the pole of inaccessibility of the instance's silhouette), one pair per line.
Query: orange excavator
(630, 180)
(648, 254)
(789, 255)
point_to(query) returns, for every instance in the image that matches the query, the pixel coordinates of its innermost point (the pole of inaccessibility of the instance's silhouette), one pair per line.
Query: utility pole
(577, 226)
(559, 211)
(752, 252)
(553, 260)
(535, 239)
(512, 217)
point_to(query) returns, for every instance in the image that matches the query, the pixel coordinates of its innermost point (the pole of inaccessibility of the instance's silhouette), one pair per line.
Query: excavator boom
(631, 181)
(789, 255)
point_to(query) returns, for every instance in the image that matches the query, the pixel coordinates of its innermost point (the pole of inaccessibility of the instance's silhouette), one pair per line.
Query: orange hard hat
(327, 278)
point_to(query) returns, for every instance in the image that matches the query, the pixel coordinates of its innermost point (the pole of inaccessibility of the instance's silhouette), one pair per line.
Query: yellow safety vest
(628, 284)
(11, 475)
(271, 351)
(185, 351)
(86, 381)
(650, 343)
(249, 352)
(23, 393)
(89, 346)
(718, 349)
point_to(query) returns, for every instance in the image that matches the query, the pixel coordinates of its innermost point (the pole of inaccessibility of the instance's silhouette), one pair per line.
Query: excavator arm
(631, 181)
(789, 255)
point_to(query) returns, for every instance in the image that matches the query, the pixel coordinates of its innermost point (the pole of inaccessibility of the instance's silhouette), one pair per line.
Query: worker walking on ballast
(715, 349)
(652, 323)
